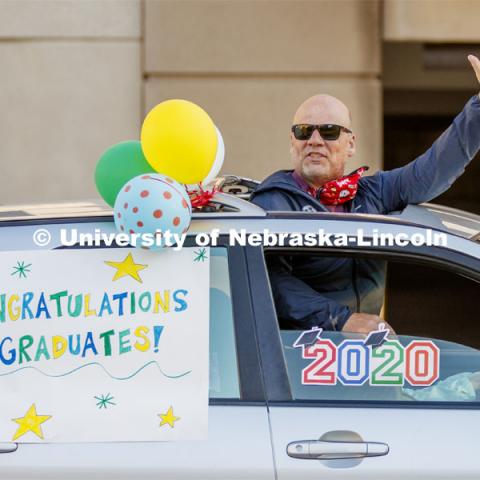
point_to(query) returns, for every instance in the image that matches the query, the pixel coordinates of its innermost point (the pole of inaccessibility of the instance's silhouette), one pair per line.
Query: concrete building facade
(80, 75)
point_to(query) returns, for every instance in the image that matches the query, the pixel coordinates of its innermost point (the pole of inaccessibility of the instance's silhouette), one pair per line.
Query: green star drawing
(21, 269)
(201, 255)
(104, 401)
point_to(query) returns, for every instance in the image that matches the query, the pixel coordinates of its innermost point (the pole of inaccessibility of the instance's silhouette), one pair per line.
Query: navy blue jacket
(325, 291)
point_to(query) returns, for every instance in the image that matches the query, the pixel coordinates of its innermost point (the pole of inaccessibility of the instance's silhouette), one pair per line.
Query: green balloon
(117, 166)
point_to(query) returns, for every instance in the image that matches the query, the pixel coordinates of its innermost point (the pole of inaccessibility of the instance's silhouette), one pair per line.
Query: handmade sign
(103, 345)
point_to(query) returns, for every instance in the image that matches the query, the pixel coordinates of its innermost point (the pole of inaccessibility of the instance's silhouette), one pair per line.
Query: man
(341, 293)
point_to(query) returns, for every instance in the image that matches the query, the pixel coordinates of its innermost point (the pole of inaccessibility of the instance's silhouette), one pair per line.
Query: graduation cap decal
(377, 337)
(308, 337)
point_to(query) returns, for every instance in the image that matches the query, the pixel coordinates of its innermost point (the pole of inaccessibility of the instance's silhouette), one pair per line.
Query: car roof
(231, 202)
(429, 215)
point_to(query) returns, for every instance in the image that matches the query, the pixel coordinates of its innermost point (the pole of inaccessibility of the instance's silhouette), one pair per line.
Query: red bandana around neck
(343, 189)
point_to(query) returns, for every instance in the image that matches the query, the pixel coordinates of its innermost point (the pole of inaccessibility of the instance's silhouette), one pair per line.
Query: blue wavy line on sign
(104, 369)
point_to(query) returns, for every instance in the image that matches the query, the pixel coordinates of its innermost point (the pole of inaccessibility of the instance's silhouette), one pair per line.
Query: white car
(330, 406)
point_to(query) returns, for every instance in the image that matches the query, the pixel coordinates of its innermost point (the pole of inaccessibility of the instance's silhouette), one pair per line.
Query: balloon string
(202, 197)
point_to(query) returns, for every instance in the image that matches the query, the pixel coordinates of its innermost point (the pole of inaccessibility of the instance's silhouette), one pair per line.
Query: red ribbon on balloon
(201, 198)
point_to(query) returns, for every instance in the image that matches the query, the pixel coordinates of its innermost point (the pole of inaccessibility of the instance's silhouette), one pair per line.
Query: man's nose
(316, 138)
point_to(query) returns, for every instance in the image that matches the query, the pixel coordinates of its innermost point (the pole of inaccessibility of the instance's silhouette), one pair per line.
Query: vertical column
(70, 87)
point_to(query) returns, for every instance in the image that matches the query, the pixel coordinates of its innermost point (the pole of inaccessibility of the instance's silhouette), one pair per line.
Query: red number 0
(325, 354)
(423, 363)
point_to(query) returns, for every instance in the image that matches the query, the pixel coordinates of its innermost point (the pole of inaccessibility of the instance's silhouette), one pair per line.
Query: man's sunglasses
(328, 131)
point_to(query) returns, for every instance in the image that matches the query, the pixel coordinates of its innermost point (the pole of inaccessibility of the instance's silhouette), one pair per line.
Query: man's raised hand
(476, 65)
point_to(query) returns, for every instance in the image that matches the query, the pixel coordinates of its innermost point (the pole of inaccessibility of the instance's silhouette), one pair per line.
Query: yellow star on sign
(127, 267)
(30, 423)
(168, 418)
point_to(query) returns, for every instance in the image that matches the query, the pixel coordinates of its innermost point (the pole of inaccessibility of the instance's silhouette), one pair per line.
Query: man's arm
(435, 171)
(300, 306)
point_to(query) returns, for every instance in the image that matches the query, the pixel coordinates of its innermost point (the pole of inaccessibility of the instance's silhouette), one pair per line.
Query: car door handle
(323, 450)
(8, 447)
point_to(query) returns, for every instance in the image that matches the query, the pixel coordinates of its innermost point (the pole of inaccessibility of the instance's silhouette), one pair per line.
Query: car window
(224, 382)
(224, 377)
(434, 356)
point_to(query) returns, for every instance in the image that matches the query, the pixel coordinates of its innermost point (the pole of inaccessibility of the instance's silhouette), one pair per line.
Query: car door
(238, 444)
(322, 399)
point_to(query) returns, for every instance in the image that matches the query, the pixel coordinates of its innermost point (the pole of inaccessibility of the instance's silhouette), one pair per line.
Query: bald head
(325, 107)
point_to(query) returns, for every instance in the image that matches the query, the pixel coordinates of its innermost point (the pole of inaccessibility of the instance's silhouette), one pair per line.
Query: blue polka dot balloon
(152, 204)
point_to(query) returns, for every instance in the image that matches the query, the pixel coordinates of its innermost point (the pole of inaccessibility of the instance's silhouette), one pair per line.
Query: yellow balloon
(179, 140)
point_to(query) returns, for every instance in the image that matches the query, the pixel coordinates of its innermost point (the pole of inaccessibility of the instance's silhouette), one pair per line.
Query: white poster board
(104, 345)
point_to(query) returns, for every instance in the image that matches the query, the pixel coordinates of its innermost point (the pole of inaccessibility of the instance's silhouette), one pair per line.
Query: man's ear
(352, 146)
(291, 143)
